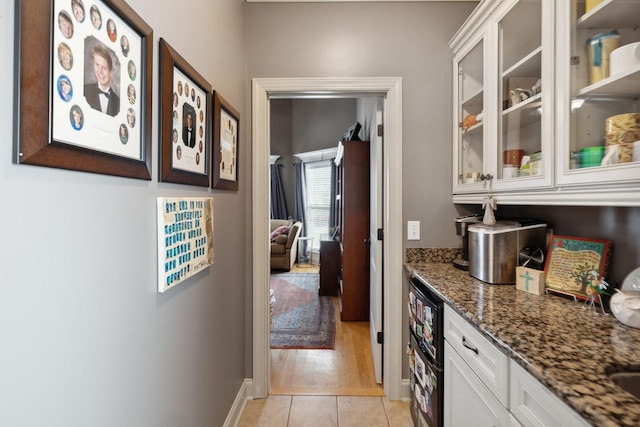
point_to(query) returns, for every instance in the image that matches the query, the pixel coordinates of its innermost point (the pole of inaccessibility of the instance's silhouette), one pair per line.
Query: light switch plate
(413, 230)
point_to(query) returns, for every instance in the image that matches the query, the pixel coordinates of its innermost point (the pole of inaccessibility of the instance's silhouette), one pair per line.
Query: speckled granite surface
(424, 255)
(567, 348)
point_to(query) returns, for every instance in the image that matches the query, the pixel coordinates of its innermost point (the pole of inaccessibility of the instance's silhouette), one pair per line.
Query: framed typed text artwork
(185, 105)
(97, 114)
(185, 238)
(226, 125)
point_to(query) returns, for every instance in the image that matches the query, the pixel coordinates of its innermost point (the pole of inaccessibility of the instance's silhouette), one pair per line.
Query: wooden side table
(330, 266)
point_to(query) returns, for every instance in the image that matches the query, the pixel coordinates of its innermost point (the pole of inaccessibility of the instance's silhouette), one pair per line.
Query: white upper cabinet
(503, 97)
(547, 103)
(598, 87)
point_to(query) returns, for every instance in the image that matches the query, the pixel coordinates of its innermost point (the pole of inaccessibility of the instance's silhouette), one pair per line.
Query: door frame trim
(391, 89)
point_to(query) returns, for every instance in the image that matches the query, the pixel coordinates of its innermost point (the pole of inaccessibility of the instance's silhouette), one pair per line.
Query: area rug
(301, 319)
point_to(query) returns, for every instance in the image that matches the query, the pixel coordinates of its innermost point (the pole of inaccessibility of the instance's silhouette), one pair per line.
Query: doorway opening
(391, 89)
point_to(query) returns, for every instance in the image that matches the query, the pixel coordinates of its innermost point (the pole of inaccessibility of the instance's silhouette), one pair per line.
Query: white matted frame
(185, 238)
(391, 89)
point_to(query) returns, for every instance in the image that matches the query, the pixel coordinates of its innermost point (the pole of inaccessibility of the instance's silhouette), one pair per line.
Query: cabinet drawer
(534, 405)
(467, 401)
(489, 364)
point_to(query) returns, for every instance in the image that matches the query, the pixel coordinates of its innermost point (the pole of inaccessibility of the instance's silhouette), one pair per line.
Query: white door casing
(391, 89)
(377, 221)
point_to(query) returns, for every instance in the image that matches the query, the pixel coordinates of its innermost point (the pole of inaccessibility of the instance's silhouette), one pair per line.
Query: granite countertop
(568, 348)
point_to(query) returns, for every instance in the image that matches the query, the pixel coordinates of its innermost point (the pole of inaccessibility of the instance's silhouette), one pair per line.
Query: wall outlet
(413, 230)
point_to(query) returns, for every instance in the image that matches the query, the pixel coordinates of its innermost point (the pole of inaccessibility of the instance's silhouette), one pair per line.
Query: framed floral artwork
(575, 265)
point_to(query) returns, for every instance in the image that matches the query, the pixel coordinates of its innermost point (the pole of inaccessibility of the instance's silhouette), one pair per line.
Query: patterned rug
(301, 319)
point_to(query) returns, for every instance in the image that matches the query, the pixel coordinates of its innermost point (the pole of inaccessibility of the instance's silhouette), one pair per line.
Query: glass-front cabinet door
(598, 127)
(525, 88)
(503, 90)
(469, 95)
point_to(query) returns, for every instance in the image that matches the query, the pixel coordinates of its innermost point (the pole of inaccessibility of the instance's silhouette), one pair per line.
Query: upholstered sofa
(284, 243)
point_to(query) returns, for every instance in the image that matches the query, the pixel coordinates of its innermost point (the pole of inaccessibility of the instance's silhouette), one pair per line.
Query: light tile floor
(325, 411)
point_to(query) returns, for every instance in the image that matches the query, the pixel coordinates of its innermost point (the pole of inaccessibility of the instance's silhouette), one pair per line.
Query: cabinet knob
(487, 177)
(367, 241)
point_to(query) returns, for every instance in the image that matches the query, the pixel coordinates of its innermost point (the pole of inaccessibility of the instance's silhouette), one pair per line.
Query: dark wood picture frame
(224, 116)
(35, 145)
(171, 65)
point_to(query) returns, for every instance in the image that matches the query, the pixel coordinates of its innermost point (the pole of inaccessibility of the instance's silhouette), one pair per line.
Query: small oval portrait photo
(124, 133)
(77, 8)
(175, 99)
(197, 158)
(65, 56)
(180, 88)
(201, 117)
(175, 117)
(124, 44)
(131, 70)
(200, 146)
(96, 17)
(201, 131)
(111, 30)
(186, 89)
(193, 94)
(65, 24)
(174, 136)
(179, 152)
(131, 117)
(131, 94)
(198, 101)
(76, 117)
(64, 88)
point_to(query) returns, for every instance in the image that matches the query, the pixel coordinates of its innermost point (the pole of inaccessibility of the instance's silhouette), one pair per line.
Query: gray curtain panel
(301, 207)
(278, 201)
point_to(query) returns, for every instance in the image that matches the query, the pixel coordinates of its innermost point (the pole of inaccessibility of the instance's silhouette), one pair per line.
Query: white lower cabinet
(534, 405)
(483, 387)
(467, 401)
(513, 422)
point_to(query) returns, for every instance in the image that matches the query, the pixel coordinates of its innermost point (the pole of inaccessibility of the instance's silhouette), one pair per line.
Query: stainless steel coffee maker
(461, 230)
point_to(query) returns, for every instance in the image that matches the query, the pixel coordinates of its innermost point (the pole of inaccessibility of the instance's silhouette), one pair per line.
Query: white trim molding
(390, 88)
(244, 394)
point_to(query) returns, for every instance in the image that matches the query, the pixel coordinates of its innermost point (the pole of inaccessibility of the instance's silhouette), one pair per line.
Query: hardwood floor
(345, 371)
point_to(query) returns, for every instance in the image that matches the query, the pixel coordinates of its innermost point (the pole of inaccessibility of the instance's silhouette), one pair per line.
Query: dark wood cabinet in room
(330, 267)
(353, 212)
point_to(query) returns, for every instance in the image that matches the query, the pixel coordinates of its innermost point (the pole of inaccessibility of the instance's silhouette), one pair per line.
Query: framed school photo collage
(98, 113)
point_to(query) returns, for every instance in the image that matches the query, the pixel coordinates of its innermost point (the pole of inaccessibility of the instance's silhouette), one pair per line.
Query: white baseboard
(245, 393)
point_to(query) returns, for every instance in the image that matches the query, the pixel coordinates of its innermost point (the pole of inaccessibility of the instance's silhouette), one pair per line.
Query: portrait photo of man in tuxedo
(188, 128)
(100, 95)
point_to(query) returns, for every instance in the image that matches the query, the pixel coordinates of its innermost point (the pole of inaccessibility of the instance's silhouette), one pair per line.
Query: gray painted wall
(381, 40)
(302, 125)
(410, 40)
(86, 339)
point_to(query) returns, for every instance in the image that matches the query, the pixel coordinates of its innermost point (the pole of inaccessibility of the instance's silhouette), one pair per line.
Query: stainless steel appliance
(494, 249)
(462, 224)
(426, 314)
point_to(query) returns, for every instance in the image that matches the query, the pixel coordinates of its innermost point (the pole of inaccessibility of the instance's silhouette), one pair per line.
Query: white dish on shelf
(624, 58)
(632, 281)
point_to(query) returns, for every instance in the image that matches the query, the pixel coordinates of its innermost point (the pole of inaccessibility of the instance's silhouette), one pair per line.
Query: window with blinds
(318, 178)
